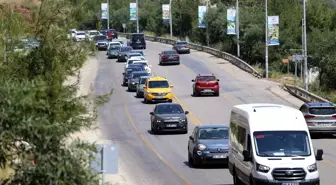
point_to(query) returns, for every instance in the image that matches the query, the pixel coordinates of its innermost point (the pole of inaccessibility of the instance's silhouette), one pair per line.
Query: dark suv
(137, 41)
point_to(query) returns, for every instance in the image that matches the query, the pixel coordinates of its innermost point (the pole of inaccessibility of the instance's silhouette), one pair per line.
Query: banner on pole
(231, 21)
(104, 11)
(133, 13)
(273, 30)
(165, 12)
(201, 14)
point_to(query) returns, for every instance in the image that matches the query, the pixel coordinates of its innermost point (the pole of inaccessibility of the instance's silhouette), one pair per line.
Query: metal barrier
(231, 58)
(304, 95)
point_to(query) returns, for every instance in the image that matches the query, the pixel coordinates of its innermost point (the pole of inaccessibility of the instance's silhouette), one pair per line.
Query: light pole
(305, 46)
(170, 19)
(108, 14)
(237, 27)
(137, 15)
(266, 39)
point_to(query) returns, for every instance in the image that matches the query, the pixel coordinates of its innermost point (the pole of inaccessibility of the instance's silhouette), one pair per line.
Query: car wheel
(152, 128)
(137, 94)
(190, 159)
(145, 101)
(170, 101)
(216, 93)
(185, 131)
(196, 162)
(236, 180)
(128, 89)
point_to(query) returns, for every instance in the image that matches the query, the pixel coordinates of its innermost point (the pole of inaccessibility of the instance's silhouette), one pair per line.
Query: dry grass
(5, 173)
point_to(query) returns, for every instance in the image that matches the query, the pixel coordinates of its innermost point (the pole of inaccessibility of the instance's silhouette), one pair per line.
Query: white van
(270, 144)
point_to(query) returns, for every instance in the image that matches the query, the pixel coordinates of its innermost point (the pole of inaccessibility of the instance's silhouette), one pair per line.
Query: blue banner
(133, 13)
(231, 22)
(201, 14)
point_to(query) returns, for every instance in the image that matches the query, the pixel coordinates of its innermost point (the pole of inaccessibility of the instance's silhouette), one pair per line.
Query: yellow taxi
(157, 89)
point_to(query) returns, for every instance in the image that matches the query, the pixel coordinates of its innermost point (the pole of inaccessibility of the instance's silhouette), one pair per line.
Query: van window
(237, 135)
(282, 143)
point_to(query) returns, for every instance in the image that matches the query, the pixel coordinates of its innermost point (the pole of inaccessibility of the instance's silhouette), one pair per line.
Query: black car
(137, 41)
(181, 47)
(129, 71)
(101, 42)
(134, 79)
(122, 53)
(169, 117)
(208, 144)
(169, 57)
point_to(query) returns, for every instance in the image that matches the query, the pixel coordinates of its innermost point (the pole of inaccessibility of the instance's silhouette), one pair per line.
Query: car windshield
(181, 43)
(282, 143)
(100, 37)
(207, 78)
(213, 133)
(131, 61)
(130, 70)
(134, 55)
(140, 63)
(121, 42)
(322, 110)
(158, 84)
(80, 33)
(140, 52)
(94, 33)
(143, 80)
(138, 75)
(169, 109)
(125, 49)
(114, 47)
(173, 52)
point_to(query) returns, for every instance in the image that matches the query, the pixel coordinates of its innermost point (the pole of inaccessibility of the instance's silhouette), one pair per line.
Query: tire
(236, 180)
(145, 101)
(152, 129)
(217, 94)
(170, 101)
(190, 159)
(137, 95)
(196, 162)
(196, 94)
(185, 131)
(128, 89)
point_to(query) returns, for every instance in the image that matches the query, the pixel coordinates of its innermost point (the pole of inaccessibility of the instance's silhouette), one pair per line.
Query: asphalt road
(162, 159)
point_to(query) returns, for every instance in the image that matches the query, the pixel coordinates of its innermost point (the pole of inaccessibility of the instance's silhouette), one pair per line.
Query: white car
(138, 58)
(80, 36)
(92, 33)
(145, 64)
(131, 61)
(113, 43)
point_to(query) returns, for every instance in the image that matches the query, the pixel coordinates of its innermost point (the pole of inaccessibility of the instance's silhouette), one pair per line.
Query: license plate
(325, 124)
(290, 183)
(159, 97)
(171, 57)
(171, 125)
(207, 90)
(222, 156)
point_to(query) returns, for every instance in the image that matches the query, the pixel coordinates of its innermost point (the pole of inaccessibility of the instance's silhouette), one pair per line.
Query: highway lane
(162, 159)
(155, 159)
(237, 87)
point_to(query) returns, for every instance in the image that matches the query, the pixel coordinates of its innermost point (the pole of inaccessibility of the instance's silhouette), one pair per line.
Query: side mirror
(191, 138)
(217, 80)
(319, 155)
(151, 113)
(186, 112)
(171, 86)
(246, 155)
(192, 80)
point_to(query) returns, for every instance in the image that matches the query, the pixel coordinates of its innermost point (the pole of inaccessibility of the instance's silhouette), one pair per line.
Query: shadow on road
(208, 166)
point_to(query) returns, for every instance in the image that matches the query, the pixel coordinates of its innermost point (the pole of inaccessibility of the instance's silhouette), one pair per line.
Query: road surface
(162, 159)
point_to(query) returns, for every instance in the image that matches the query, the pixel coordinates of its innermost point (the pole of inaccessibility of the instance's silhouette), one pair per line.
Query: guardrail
(304, 95)
(231, 58)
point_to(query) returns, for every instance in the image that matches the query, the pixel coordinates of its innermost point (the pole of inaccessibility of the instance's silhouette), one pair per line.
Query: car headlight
(182, 120)
(262, 168)
(312, 168)
(201, 147)
(158, 121)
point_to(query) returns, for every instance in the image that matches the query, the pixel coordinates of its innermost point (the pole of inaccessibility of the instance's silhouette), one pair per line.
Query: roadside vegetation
(321, 21)
(38, 110)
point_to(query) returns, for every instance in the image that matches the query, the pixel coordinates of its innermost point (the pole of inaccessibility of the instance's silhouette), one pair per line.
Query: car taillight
(334, 116)
(198, 84)
(177, 57)
(164, 57)
(309, 116)
(216, 83)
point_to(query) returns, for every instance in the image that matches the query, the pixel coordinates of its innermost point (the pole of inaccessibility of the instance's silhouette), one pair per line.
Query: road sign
(296, 58)
(106, 159)
(124, 25)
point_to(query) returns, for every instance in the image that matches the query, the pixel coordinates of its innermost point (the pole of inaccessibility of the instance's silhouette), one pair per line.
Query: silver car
(320, 117)
(140, 86)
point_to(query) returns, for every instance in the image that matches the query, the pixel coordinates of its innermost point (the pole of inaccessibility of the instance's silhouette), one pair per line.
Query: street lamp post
(237, 27)
(305, 46)
(266, 39)
(137, 15)
(170, 19)
(108, 14)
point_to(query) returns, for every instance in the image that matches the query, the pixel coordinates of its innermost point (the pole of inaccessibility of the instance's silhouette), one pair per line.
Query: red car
(205, 84)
